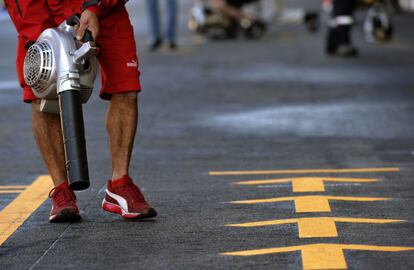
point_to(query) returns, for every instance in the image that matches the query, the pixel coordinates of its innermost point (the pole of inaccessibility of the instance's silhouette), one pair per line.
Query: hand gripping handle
(75, 20)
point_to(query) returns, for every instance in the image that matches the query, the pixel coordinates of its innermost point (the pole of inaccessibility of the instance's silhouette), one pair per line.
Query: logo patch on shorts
(133, 63)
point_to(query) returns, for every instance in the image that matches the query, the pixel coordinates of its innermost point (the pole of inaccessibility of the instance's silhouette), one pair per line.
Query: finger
(95, 33)
(81, 31)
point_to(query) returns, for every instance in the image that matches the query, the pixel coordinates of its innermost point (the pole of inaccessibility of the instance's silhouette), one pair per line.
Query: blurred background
(273, 67)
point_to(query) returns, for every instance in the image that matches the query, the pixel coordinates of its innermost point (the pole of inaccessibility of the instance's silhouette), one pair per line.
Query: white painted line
(8, 85)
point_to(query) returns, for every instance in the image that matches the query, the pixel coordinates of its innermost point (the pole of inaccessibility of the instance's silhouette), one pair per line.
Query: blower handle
(87, 36)
(75, 20)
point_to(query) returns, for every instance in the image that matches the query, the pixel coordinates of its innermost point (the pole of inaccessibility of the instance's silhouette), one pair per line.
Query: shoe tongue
(121, 181)
(64, 185)
(64, 189)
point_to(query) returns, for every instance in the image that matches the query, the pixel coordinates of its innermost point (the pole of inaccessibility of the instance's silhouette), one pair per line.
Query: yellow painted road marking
(356, 170)
(320, 256)
(311, 203)
(315, 226)
(308, 184)
(308, 204)
(11, 191)
(14, 214)
(12, 187)
(319, 227)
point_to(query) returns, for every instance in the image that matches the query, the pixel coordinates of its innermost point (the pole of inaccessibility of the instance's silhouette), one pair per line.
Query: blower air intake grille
(38, 66)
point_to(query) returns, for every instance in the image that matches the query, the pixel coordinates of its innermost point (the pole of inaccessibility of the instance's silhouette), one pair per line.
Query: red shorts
(117, 58)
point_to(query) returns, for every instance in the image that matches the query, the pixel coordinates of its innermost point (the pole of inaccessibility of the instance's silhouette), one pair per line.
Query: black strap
(90, 3)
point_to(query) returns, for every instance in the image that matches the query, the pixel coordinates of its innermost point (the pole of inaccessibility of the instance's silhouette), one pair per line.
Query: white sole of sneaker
(116, 209)
(122, 207)
(113, 208)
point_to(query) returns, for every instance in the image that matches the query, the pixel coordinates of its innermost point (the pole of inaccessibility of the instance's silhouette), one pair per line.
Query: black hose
(74, 139)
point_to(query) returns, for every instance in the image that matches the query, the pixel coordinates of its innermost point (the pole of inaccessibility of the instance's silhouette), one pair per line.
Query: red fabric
(30, 17)
(61, 9)
(118, 59)
(105, 6)
(94, 9)
(28, 95)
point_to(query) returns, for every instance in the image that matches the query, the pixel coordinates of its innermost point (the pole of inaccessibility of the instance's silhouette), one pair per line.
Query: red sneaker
(64, 208)
(123, 197)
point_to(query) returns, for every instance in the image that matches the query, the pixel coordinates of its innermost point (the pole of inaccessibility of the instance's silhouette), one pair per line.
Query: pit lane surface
(257, 155)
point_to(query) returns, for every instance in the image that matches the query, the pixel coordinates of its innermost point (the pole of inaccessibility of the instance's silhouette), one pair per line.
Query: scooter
(205, 21)
(61, 72)
(377, 24)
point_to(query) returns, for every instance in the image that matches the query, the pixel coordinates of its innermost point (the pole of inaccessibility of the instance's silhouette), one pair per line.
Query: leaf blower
(61, 72)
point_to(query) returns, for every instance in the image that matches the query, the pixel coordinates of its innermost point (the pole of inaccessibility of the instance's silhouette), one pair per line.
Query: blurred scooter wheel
(382, 33)
(311, 21)
(217, 33)
(255, 30)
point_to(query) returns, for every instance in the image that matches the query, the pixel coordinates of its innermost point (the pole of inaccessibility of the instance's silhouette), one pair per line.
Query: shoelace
(61, 195)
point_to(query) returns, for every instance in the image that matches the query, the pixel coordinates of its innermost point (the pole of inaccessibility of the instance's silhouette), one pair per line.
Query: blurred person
(338, 40)
(108, 20)
(233, 9)
(223, 19)
(155, 22)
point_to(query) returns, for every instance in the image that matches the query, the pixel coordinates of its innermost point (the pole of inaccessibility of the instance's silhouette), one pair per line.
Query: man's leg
(171, 21)
(339, 40)
(121, 123)
(154, 23)
(123, 197)
(121, 84)
(48, 135)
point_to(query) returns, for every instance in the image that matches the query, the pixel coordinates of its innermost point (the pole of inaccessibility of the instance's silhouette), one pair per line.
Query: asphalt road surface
(257, 155)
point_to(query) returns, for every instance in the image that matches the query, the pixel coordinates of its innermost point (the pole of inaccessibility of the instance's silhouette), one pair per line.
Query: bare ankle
(118, 175)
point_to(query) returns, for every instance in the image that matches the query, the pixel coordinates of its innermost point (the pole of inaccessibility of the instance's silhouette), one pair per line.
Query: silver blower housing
(57, 62)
